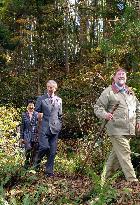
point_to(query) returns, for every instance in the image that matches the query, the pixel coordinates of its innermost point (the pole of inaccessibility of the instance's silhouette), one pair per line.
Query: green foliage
(9, 120)
(111, 10)
(18, 89)
(134, 82)
(122, 45)
(6, 39)
(2, 60)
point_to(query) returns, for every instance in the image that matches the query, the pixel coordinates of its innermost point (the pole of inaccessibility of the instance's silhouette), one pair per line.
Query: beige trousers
(120, 157)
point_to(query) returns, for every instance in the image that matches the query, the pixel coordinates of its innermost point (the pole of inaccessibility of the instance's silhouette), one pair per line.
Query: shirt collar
(116, 88)
(119, 87)
(50, 96)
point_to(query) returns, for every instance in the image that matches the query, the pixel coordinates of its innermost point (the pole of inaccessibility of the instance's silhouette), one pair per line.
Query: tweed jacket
(125, 116)
(52, 113)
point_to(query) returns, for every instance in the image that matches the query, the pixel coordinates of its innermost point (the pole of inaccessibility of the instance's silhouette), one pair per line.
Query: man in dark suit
(50, 106)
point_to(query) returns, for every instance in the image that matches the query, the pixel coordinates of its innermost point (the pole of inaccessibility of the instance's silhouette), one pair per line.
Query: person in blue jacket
(50, 105)
(29, 133)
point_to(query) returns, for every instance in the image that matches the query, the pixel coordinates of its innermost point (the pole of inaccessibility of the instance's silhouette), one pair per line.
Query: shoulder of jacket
(131, 91)
(106, 90)
(58, 98)
(41, 97)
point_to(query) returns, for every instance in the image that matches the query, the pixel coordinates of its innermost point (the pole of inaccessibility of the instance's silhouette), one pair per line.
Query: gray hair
(53, 83)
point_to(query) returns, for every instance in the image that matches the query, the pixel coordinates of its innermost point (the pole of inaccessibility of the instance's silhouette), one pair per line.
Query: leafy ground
(30, 187)
(67, 187)
(128, 193)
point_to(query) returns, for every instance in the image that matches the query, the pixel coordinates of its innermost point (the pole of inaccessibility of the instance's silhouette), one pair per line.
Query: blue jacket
(28, 128)
(52, 113)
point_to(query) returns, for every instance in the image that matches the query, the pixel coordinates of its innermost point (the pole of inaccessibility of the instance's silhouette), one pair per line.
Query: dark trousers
(30, 153)
(47, 147)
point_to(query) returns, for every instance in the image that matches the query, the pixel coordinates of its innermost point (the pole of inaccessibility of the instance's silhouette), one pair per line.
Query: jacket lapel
(48, 103)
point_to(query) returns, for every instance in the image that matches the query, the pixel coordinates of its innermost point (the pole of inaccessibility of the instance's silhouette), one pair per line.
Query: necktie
(51, 99)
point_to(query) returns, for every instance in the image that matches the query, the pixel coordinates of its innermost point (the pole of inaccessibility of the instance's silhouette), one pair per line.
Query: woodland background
(79, 44)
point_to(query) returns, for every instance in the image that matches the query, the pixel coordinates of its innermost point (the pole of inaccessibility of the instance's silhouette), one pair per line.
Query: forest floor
(67, 187)
(70, 189)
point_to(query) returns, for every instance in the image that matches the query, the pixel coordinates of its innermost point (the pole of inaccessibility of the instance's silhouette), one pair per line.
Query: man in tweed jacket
(121, 124)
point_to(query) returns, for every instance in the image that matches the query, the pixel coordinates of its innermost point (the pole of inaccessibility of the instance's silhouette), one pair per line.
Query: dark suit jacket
(28, 128)
(52, 113)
